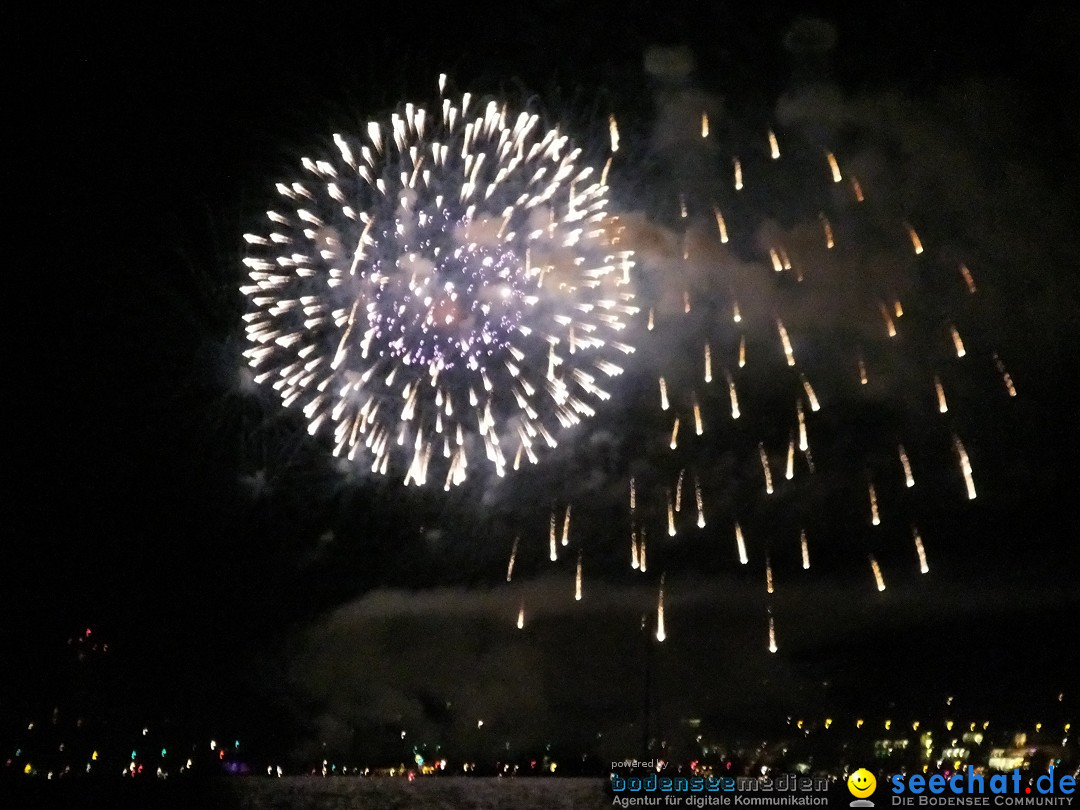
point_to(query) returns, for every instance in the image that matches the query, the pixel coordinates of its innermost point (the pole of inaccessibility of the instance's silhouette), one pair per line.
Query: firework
(661, 631)
(441, 293)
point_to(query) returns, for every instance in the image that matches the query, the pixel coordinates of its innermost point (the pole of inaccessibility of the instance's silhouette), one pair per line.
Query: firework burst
(443, 294)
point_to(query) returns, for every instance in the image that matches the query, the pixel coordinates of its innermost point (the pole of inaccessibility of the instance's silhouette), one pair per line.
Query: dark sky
(234, 567)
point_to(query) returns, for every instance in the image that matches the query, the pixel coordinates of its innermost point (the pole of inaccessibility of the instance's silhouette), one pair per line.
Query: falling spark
(916, 242)
(577, 579)
(768, 576)
(675, 434)
(652, 320)
(1005, 376)
(566, 527)
(661, 633)
(686, 301)
(613, 130)
(738, 174)
(965, 467)
(664, 404)
(805, 549)
(789, 472)
(513, 557)
(683, 213)
(786, 341)
(704, 125)
(898, 308)
(804, 445)
(774, 147)
(521, 616)
(734, 397)
(735, 314)
(698, 427)
(890, 325)
(857, 189)
(741, 543)
(862, 371)
(909, 479)
(810, 395)
(633, 551)
(670, 515)
(765, 468)
(742, 351)
(942, 405)
(772, 635)
(641, 553)
(834, 167)
(721, 226)
(968, 279)
(829, 243)
(878, 578)
(633, 496)
(875, 518)
(553, 546)
(678, 490)
(700, 504)
(924, 568)
(958, 343)
(708, 364)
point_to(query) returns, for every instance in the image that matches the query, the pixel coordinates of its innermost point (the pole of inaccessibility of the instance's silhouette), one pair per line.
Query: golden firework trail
(965, 467)
(661, 632)
(1005, 376)
(553, 548)
(924, 568)
(830, 243)
(765, 468)
(513, 558)
(834, 167)
(721, 226)
(879, 580)
(968, 279)
(909, 479)
(916, 242)
(958, 343)
(740, 543)
(942, 404)
(577, 579)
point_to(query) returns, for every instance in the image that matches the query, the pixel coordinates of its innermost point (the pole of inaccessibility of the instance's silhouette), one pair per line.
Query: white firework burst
(446, 292)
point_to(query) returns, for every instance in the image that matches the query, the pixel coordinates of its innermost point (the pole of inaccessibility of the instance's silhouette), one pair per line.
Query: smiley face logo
(861, 783)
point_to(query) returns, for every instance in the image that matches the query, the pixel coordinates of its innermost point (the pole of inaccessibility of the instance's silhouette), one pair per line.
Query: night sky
(244, 580)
